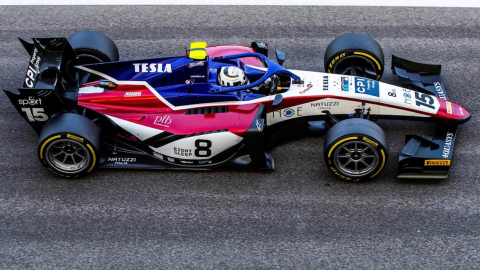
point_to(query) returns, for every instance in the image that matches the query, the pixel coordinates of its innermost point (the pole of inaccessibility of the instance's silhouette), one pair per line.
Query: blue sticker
(288, 112)
(366, 86)
(345, 82)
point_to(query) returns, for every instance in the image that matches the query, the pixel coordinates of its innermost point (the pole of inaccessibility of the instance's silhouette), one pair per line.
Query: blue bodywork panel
(184, 81)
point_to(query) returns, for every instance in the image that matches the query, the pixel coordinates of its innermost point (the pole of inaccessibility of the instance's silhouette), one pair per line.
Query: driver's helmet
(232, 76)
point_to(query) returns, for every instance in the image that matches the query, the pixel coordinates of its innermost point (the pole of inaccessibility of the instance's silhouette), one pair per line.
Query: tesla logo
(153, 67)
(163, 121)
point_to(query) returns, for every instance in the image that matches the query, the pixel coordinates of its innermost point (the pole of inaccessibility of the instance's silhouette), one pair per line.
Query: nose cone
(453, 112)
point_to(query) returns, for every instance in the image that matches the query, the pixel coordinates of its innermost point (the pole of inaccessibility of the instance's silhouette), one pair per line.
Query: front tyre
(356, 55)
(356, 149)
(69, 145)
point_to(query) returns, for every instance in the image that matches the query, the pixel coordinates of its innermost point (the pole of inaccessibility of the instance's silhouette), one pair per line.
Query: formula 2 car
(92, 110)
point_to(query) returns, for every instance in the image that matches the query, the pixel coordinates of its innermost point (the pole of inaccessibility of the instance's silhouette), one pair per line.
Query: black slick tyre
(95, 45)
(69, 145)
(356, 55)
(91, 48)
(356, 149)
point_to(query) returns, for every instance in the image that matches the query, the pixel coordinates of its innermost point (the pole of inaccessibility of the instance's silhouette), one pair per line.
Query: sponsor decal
(189, 81)
(152, 67)
(197, 76)
(182, 152)
(449, 107)
(393, 93)
(131, 138)
(461, 110)
(367, 140)
(407, 96)
(288, 112)
(186, 161)
(203, 162)
(345, 83)
(323, 105)
(330, 66)
(366, 86)
(325, 83)
(439, 89)
(196, 64)
(31, 101)
(76, 138)
(259, 126)
(437, 162)
(157, 155)
(33, 66)
(119, 160)
(163, 121)
(309, 86)
(133, 94)
(448, 145)
(170, 159)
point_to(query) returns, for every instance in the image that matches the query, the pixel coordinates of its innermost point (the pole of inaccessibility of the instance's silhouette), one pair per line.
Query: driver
(232, 76)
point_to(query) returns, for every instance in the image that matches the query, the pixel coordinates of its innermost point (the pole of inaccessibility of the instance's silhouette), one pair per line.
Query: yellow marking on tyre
(76, 138)
(339, 142)
(45, 143)
(370, 141)
(381, 167)
(371, 57)
(94, 158)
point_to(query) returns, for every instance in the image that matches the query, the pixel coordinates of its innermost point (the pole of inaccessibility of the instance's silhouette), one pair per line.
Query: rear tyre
(356, 55)
(356, 149)
(69, 145)
(91, 48)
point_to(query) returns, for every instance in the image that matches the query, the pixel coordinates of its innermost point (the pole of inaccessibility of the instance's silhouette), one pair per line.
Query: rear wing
(426, 156)
(47, 88)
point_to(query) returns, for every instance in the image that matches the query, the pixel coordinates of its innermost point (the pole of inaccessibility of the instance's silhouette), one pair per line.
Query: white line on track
(412, 3)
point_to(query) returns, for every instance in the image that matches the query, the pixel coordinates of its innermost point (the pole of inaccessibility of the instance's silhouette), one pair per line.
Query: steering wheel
(273, 85)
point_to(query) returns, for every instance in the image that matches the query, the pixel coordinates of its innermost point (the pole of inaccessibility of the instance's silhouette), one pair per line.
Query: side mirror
(277, 101)
(280, 57)
(260, 47)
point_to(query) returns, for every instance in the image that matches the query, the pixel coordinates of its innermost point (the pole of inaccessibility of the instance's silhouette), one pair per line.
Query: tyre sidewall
(91, 151)
(350, 44)
(330, 63)
(381, 150)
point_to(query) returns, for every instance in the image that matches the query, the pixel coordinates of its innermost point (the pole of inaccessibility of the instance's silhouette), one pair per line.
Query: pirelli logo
(437, 162)
(449, 107)
(76, 138)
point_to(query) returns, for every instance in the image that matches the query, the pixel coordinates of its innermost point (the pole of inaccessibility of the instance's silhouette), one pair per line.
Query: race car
(226, 106)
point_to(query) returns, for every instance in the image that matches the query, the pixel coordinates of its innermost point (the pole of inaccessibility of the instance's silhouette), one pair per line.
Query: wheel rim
(356, 65)
(356, 159)
(67, 156)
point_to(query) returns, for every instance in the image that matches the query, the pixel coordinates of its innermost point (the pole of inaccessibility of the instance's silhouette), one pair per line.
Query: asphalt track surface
(297, 217)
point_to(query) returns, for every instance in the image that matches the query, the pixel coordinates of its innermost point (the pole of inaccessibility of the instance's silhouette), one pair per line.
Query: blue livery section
(185, 81)
(366, 86)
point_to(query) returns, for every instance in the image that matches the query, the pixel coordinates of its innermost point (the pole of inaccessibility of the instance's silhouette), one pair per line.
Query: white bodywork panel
(341, 94)
(199, 147)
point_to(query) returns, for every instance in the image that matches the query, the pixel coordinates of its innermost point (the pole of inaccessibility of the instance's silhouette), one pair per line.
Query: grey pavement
(297, 217)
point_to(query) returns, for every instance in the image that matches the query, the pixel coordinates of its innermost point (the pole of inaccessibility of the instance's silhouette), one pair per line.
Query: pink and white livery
(226, 106)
